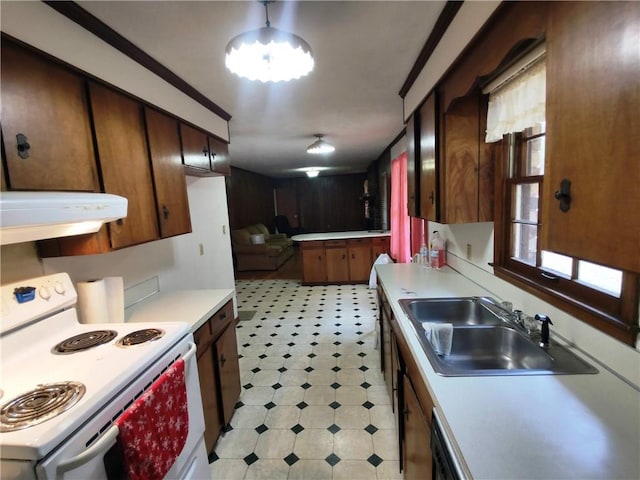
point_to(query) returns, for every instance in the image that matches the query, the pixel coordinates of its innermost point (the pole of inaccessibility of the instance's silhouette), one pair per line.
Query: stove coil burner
(140, 336)
(85, 341)
(39, 405)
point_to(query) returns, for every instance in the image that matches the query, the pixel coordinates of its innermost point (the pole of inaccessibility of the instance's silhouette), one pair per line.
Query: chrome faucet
(544, 331)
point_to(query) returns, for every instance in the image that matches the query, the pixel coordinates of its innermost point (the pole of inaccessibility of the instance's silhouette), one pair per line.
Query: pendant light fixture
(320, 146)
(268, 54)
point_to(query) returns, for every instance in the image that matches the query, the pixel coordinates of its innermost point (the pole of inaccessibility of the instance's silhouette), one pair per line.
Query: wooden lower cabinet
(314, 268)
(226, 349)
(218, 371)
(416, 444)
(359, 253)
(209, 392)
(412, 404)
(380, 245)
(340, 261)
(337, 261)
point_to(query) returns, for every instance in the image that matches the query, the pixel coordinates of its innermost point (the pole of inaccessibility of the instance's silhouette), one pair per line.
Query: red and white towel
(154, 429)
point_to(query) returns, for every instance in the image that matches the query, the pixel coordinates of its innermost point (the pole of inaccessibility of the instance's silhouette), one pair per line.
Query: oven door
(93, 451)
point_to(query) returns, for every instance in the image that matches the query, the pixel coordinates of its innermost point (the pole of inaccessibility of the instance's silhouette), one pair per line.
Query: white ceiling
(363, 53)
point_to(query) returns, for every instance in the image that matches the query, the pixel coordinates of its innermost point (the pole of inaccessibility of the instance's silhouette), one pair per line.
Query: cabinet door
(387, 368)
(359, 251)
(124, 162)
(226, 349)
(413, 153)
(337, 263)
(593, 126)
(195, 148)
(417, 436)
(429, 132)
(168, 174)
(219, 153)
(47, 104)
(209, 393)
(460, 168)
(379, 246)
(313, 263)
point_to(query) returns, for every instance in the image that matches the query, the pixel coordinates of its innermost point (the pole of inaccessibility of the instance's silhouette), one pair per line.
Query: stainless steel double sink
(486, 341)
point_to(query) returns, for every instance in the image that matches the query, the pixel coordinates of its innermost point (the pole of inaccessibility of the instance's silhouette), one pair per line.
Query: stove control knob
(60, 289)
(44, 292)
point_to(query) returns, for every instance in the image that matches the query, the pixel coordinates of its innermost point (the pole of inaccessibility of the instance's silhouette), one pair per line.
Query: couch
(251, 254)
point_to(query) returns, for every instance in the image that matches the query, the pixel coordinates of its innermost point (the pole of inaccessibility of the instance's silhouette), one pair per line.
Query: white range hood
(28, 216)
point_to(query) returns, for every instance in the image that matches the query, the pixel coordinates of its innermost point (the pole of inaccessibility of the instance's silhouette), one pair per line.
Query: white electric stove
(64, 384)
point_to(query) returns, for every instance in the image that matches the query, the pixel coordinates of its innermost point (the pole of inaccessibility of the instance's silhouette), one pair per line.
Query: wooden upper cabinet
(466, 170)
(195, 148)
(461, 161)
(47, 104)
(124, 162)
(593, 126)
(413, 154)
(219, 153)
(429, 130)
(168, 173)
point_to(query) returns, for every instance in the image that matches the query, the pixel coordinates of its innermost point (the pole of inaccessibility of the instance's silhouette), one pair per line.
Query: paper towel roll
(101, 301)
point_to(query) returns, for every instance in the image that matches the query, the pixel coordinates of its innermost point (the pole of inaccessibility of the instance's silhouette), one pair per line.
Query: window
(603, 297)
(593, 292)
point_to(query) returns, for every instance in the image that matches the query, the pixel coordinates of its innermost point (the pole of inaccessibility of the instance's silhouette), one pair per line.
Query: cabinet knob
(23, 145)
(222, 360)
(165, 211)
(564, 195)
(205, 151)
(431, 197)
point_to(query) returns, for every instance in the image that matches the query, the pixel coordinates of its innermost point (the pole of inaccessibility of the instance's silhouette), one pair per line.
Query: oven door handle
(102, 445)
(191, 352)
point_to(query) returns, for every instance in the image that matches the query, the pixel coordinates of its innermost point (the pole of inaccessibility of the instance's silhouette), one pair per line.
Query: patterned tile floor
(313, 403)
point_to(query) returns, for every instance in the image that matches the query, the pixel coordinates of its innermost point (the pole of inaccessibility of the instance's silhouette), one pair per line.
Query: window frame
(614, 316)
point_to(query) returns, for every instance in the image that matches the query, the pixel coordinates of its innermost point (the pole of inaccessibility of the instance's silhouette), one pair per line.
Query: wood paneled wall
(250, 199)
(325, 203)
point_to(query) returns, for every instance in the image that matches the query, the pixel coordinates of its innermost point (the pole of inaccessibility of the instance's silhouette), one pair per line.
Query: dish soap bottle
(436, 252)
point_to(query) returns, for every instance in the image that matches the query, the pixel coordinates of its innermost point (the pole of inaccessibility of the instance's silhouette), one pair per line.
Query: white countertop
(192, 306)
(306, 237)
(542, 426)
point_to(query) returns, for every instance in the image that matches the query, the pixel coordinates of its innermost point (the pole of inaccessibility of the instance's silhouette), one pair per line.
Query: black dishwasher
(444, 465)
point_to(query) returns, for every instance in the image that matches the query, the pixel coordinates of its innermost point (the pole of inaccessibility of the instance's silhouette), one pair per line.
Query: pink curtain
(400, 225)
(418, 233)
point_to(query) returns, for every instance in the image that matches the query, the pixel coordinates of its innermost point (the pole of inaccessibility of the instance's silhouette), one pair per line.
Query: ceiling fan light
(269, 55)
(320, 147)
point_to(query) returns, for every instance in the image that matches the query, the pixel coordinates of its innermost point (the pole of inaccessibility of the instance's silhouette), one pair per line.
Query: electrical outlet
(468, 251)
(201, 249)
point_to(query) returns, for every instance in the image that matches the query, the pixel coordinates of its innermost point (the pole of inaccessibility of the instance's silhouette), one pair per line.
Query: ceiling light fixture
(312, 173)
(268, 54)
(320, 146)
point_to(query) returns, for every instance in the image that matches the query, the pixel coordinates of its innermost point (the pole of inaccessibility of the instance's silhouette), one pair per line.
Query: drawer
(380, 241)
(335, 243)
(203, 337)
(358, 241)
(312, 244)
(221, 318)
